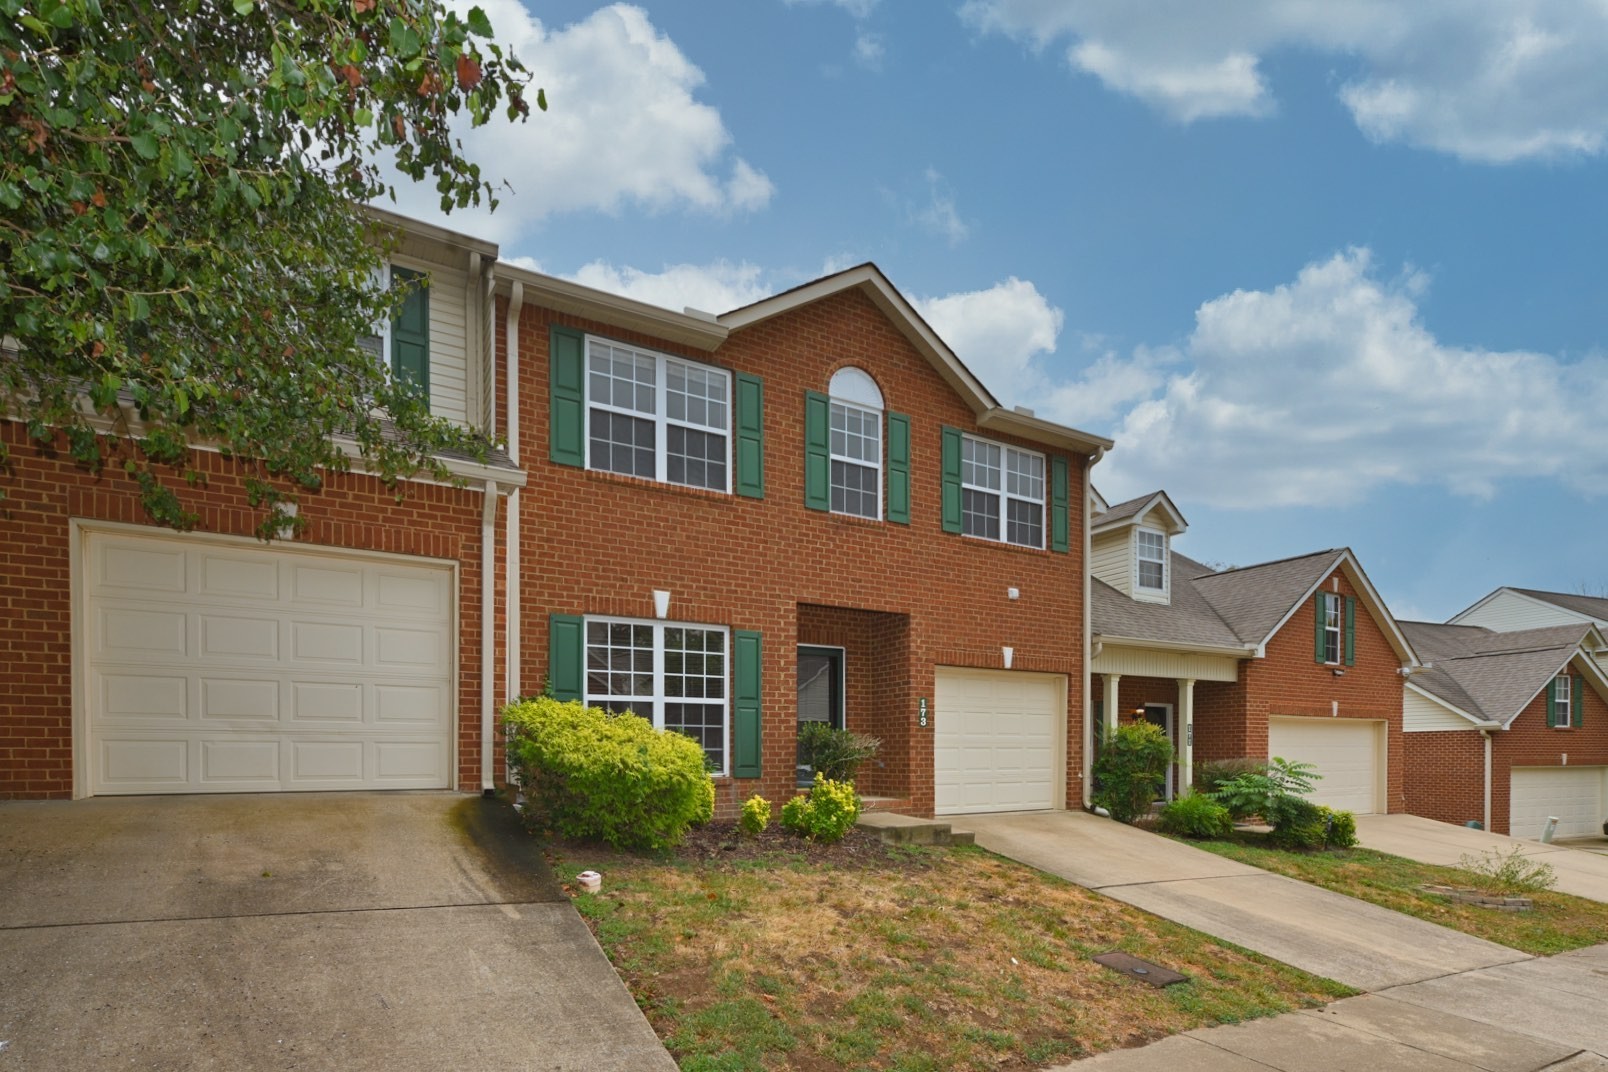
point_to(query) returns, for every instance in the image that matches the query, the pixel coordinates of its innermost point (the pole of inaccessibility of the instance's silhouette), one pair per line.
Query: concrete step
(903, 830)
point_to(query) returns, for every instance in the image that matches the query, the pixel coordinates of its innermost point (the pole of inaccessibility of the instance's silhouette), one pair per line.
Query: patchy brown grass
(774, 954)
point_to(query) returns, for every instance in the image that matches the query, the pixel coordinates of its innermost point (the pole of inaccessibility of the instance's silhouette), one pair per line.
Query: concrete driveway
(1326, 933)
(1582, 873)
(347, 931)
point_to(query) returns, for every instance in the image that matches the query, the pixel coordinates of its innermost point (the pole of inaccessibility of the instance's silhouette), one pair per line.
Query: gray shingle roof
(1254, 599)
(1121, 510)
(1488, 674)
(1189, 619)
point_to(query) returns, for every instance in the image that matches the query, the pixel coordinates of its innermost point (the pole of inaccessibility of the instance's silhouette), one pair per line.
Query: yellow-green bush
(587, 773)
(827, 814)
(756, 815)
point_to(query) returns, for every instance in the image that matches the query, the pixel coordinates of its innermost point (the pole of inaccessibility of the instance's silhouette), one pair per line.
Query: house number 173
(921, 711)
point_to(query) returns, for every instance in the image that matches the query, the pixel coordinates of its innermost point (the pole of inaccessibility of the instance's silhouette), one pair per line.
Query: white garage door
(217, 666)
(997, 740)
(1345, 752)
(1573, 794)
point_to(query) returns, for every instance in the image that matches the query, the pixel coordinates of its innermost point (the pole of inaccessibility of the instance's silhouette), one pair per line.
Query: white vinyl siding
(1420, 714)
(1111, 559)
(1509, 612)
(449, 345)
(1140, 662)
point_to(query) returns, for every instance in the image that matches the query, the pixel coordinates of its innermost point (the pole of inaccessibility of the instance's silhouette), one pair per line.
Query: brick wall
(600, 544)
(44, 491)
(1446, 776)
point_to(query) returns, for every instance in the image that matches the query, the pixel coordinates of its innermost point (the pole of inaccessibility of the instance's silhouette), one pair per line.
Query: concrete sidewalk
(1581, 866)
(1323, 932)
(358, 931)
(1540, 1014)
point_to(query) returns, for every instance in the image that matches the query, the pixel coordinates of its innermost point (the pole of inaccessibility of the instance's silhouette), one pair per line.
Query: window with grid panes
(657, 417)
(673, 675)
(1152, 560)
(1001, 492)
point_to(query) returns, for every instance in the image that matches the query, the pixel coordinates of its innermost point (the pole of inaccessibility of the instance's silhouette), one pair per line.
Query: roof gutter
(1243, 652)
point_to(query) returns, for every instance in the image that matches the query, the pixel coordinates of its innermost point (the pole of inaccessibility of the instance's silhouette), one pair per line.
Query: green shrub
(1511, 874)
(1310, 827)
(1130, 769)
(833, 752)
(1274, 792)
(756, 815)
(827, 814)
(587, 773)
(1212, 774)
(1196, 816)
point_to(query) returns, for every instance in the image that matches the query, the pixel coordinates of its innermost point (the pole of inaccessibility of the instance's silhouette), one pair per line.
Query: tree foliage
(183, 255)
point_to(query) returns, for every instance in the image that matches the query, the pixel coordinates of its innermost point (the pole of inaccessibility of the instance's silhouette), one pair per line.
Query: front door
(820, 695)
(1161, 715)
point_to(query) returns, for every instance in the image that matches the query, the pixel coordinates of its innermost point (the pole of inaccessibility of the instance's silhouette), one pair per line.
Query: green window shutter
(1060, 505)
(951, 475)
(817, 451)
(410, 333)
(566, 656)
(750, 436)
(1552, 702)
(1317, 617)
(1351, 631)
(1577, 697)
(745, 758)
(899, 468)
(566, 388)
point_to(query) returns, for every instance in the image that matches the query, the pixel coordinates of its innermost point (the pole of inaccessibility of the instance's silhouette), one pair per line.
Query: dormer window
(1152, 554)
(856, 444)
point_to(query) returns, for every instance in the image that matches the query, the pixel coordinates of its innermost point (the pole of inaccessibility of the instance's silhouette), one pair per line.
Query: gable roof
(1188, 620)
(1115, 516)
(1494, 676)
(868, 279)
(1593, 607)
(1256, 600)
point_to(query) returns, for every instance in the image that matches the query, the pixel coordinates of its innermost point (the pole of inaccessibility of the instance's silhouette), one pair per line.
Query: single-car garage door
(1345, 752)
(216, 665)
(997, 740)
(1574, 794)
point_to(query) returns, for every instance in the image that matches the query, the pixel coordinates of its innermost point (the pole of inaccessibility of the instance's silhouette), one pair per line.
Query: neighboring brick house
(142, 660)
(804, 509)
(1298, 658)
(1508, 728)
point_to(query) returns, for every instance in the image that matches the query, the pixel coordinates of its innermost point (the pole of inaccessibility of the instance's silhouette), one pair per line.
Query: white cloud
(1493, 82)
(868, 51)
(1327, 387)
(937, 214)
(624, 129)
(718, 287)
(997, 333)
(860, 9)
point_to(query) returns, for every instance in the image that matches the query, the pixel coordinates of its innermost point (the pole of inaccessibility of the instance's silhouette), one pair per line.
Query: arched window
(856, 444)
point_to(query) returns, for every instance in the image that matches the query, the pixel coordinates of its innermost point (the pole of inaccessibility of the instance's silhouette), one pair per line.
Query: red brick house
(804, 509)
(1508, 728)
(1298, 658)
(141, 660)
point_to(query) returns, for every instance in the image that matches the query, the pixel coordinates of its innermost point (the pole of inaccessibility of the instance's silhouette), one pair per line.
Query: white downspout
(488, 627)
(1487, 735)
(516, 302)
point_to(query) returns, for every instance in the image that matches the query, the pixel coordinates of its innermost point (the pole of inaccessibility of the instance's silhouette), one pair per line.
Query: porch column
(1186, 719)
(1109, 715)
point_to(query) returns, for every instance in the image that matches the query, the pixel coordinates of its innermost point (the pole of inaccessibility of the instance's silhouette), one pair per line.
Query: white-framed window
(657, 417)
(1001, 492)
(1563, 701)
(1334, 610)
(674, 675)
(1151, 548)
(856, 444)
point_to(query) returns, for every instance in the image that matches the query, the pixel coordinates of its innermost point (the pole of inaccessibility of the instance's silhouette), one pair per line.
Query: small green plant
(1511, 873)
(1130, 769)
(1195, 815)
(1212, 774)
(826, 814)
(1342, 829)
(833, 752)
(756, 816)
(1275, 792)
(1311, 827)
(588, 773)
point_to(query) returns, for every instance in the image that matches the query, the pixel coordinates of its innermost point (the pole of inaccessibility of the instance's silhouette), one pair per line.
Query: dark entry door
(820, 695)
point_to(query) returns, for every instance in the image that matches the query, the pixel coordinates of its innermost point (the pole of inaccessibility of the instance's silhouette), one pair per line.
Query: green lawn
(1557, 923)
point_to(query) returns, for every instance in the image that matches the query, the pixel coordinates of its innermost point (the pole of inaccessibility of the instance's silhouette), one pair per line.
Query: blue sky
(1330, 274)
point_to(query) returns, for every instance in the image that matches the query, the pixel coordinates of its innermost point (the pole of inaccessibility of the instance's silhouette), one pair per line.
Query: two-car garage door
(224, 666)
(997, 740)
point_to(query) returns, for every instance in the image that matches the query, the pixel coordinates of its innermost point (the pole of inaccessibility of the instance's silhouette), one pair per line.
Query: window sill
(1003, 545)
(603, 477)
(854, 520)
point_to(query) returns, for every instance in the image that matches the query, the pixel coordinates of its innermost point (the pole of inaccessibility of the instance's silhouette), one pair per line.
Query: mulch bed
(721, 843)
